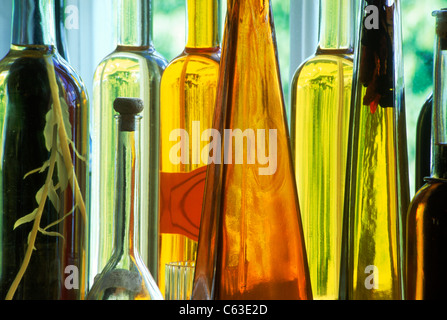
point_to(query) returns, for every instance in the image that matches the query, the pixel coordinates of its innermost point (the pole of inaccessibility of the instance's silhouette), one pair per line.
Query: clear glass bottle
(188, 96)
(125, 276)
(321, 100)
(423, 143)
(251, 243)
(377, 195)
(44, 143)
(133, 70)
(427, 219)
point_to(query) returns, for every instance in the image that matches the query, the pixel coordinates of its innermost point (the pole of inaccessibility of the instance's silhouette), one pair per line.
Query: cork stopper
(441, 23)
(129, 109)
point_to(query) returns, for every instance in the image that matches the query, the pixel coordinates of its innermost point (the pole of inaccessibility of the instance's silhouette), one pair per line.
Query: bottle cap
(129, 110)
(441, 23)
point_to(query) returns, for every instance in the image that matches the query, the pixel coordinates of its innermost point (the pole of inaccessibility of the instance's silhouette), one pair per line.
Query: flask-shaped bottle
(377, 196)
(427, 216)
(44, 140)
(134, 70)
(125, 276)
(187, 103)
(320, 106)
(251, 243)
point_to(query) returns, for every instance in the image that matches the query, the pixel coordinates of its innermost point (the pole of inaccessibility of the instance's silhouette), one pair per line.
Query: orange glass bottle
(188, 94)
(251, 242)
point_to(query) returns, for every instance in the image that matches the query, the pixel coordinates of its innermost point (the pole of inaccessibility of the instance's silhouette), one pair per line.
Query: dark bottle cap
(129, 110)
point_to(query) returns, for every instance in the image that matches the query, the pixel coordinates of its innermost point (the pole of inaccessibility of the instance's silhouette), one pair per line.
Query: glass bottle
(188, 95)
(61, 42)
(44, 143)
(423, 143)
(251, 243)
(125, 276)
(321, 98)
(133, 70)
(427, 220)
(377, 195)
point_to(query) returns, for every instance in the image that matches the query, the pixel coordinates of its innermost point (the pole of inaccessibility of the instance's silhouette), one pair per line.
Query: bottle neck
(439, 168)
(127, 189)
(202, 24)
(135, 23)
(61, 42)
(33, 22)
(336, 25)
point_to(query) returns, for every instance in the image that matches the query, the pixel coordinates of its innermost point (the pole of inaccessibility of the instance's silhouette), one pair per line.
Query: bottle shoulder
(202, 66)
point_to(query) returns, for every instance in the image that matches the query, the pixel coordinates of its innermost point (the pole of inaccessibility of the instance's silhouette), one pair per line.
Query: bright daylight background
(94, 40)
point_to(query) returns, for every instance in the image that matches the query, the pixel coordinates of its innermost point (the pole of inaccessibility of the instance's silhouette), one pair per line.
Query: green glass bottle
(377, 195)
(44, 143)
(133, 70)
(321, 104)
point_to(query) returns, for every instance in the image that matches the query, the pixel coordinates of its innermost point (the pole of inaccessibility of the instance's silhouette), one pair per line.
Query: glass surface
(188, 95)
(321, 100)
(133, 70)
(250, 206)
(424, 143)
(179, 280)
(44, 164)
(377, 197)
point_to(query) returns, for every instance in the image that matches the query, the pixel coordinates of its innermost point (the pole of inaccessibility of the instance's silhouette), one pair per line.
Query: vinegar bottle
(377, 195)
(427, 216)
(44, 143)
(125, 276)
(188, 95)
(251, 243)
(132, 70)
(321, 98)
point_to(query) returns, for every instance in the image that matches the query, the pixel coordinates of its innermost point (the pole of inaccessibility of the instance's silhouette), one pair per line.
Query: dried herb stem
(36, 226)
(64, 139)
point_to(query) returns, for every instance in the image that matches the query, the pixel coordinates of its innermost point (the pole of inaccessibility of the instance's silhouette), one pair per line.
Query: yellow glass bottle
(321, 98)
(187, 103)
(132, 70)
(377, 195)
(251, 242)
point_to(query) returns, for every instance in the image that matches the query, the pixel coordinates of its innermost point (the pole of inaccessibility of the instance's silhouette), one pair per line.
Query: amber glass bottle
(133, 70)
(427, 216)
(251, 242)
(188, 95)
(321, 104)
(377, 195)
(44, 143)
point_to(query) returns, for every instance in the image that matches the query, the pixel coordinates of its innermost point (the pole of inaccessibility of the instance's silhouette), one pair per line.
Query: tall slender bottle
(188, 96)
(427, 216)
(125, 276)
(132, 70)
(251, 243)
(377, 195)
(321, 104)
(423, 143)
(44, 143)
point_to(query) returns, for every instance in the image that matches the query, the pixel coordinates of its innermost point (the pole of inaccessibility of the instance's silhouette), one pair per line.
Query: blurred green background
(418, 35)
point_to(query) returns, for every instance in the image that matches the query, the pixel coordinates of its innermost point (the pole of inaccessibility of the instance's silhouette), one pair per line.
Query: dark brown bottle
(427, 216)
